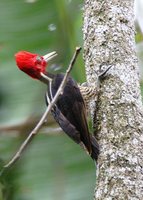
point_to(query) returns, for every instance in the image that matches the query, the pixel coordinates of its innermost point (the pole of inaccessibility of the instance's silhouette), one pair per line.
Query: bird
(69, 111)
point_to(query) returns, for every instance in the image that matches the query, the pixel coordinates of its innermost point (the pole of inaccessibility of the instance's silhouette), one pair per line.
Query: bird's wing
(66, 126)
(72, 106)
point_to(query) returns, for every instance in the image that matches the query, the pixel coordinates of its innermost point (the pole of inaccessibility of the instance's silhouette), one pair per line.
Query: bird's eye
(38, 59)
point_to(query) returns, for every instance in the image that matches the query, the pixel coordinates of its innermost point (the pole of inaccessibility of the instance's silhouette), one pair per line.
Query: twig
(40, 123)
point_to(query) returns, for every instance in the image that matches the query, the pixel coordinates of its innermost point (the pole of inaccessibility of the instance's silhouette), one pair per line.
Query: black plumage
(70, 113)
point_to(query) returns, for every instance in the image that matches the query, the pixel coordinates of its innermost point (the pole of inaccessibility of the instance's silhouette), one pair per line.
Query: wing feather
(73, 113)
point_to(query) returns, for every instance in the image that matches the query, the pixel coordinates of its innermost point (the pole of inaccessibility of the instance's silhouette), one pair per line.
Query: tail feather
(95, 148)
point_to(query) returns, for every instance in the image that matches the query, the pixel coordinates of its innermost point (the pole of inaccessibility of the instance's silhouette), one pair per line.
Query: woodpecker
(69, 111)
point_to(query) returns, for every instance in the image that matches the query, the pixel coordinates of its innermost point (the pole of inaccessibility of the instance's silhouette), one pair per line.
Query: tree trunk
(109, 39)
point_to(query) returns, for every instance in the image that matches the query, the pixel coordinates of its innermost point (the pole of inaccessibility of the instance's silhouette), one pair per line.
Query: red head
(33, 64)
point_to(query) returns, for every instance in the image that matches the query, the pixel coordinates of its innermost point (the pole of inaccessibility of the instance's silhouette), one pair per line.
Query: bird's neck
(46, 77)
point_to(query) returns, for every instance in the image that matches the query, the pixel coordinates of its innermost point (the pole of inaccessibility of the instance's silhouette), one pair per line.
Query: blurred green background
(53, 167)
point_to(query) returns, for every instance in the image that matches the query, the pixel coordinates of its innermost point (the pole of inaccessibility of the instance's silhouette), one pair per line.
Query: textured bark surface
(109, 40)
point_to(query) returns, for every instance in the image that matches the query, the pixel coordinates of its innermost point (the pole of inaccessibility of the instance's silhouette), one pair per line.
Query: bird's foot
(102, 75)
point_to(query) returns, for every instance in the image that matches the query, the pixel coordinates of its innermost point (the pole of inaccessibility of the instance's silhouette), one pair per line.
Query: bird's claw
(102, 74)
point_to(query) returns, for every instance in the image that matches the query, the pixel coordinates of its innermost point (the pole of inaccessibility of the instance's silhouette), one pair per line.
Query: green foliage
(53, 167)
(38, 27)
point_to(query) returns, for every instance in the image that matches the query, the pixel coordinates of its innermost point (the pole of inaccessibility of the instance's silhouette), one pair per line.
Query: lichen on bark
(109, 34)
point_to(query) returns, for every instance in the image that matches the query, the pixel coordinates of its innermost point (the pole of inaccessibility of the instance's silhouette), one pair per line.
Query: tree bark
(109, 39)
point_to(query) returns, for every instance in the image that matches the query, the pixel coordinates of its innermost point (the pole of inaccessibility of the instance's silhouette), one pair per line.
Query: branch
(40, 123)
(25, 127)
